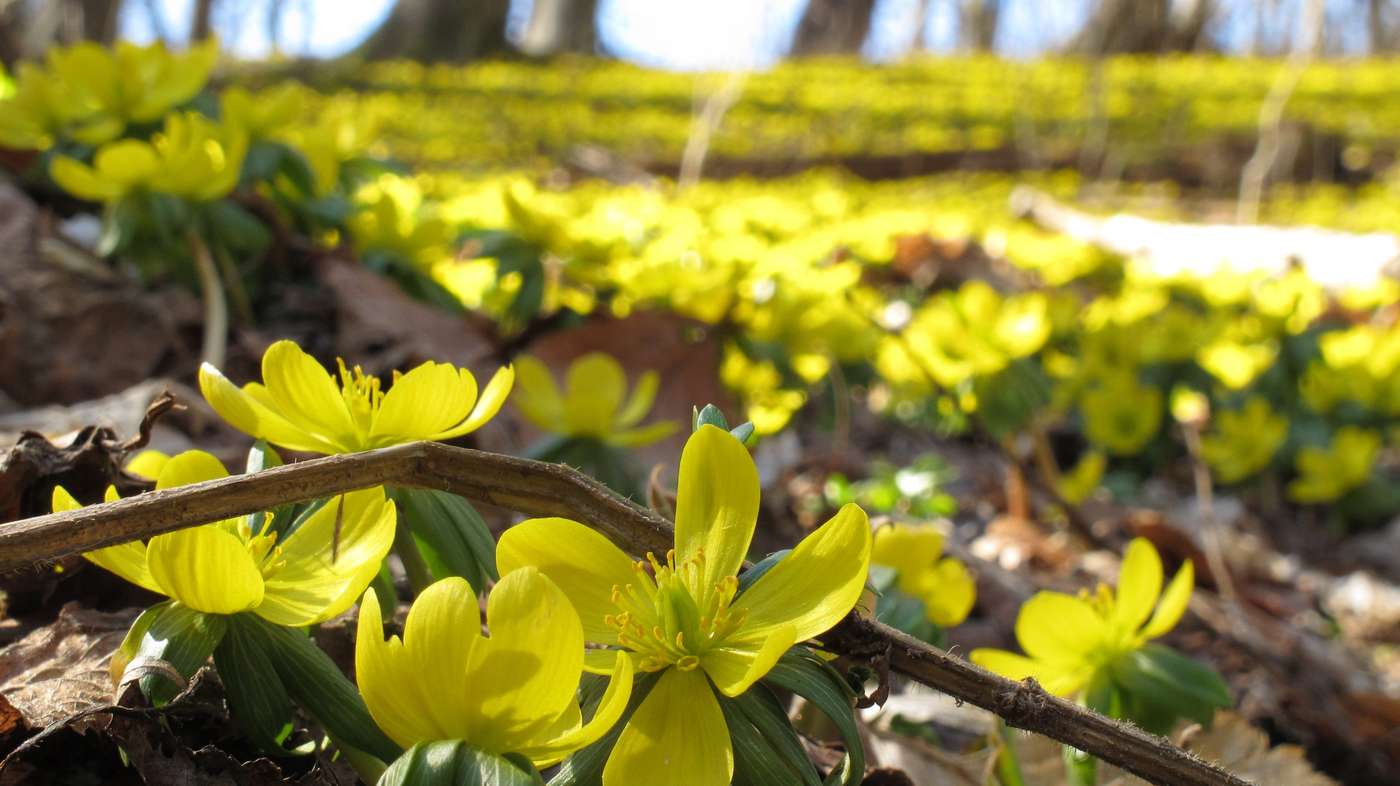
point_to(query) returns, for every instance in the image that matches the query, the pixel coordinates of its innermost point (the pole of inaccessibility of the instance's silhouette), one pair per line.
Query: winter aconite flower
(683, 616)
(1244, 440)
(943, 585)
(226, 568)
(1326, 474)
(300, 406)
(510, 692)
(193, 158)
(592, 402)
(1069, 639)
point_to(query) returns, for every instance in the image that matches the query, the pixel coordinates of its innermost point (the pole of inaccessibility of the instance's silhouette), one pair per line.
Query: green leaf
(176, 635)
(315, 683)
(748, 577)
(710, 415)
(454, 763)
(453, 532)
(766, 747)
(585, 767)
(257, 699)
(801, 672)
(909, 614)
(743, 431)
(1163, 679)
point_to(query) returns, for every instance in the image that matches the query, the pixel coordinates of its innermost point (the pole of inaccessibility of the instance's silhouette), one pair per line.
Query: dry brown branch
(540, 489)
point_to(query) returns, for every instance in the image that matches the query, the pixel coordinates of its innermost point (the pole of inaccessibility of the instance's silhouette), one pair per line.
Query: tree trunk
(558, 26)
(1144, 27)
(100, 20)
(977, 24)
(440, 31)
(201, 24)
(831, 27)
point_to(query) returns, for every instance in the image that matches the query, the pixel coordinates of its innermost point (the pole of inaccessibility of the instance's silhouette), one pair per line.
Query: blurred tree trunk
(558, 26)
(831, 27)
(201, 24)
(100, 19)
(977, 24)
(440, 30)
(1144, 27)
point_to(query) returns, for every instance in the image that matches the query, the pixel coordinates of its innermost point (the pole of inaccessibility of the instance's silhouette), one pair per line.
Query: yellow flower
(1236, 364)
(1244, 441)
(129, 84)
(592, 402)
(37, 110)
(1077, 484)
(193, 158)
(1068, 638)
(260, 115)
(944, 585)
(685, 617)
(511, 692)
(1325, 474)
(300, 407)
(391, 218)
(226, 568)
(1121, 414)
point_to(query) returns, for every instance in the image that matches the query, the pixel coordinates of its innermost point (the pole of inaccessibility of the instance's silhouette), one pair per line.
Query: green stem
(419, 577)
(383, 584)
(238, 294)
(1008, 763)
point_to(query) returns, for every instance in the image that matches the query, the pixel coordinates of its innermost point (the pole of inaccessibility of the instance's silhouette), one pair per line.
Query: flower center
(668, 617)
(362, 395)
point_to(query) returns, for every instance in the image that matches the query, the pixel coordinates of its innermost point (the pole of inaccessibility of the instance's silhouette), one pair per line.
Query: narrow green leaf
(766, 747)
(453, 531)
(801, 672)
(585, 767)
(257, 699)
(454, 763)
(709, 415)
(314, 682)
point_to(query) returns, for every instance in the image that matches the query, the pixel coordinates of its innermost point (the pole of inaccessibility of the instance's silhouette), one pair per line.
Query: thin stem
(419, 577)
(215, 303)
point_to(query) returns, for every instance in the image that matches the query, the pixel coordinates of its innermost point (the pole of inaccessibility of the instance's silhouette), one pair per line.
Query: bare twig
(541, 489)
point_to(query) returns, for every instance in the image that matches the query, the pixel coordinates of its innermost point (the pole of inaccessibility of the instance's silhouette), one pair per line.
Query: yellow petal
(305, 585)
(490, 402)
(639, 404)
(1139, 585)
(527, 672)
(537, 397)
(1055, 678)
(147, 464)
(1173, 603)
(62, 501)
(583, 563)
(430, 398)
(716, 503)
(593, 394)
(1056, 627)
(637, 437)
(387, 681)
(442, 631)
(949, 593)
(206, 568)
(607, 714)
(910, 550)
(306, 395)
(817, 584)
(734, 668)
(678, 737)
(129, 162)
(82, 181)
(252, 416)
(192, 466)
(127, 560)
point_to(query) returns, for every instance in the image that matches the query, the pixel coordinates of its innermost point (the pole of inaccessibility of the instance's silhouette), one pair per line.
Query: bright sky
(676, 34)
